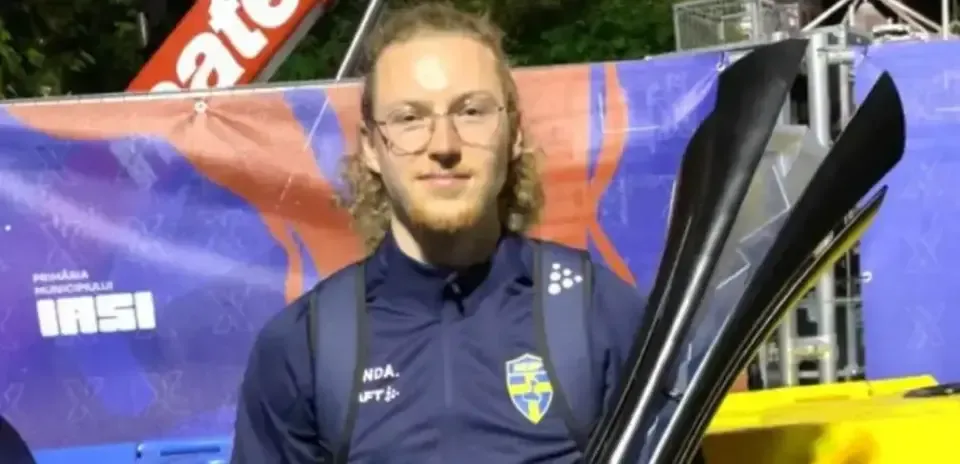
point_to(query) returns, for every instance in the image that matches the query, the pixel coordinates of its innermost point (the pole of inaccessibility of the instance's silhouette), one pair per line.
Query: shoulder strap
(563, 297)
(336, 322)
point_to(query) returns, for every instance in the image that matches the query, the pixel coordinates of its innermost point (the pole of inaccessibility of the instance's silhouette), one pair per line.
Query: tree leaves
(538, 32)
(52, 47)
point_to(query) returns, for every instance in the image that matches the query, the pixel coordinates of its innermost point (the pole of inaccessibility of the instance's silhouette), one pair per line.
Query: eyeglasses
(410, 130)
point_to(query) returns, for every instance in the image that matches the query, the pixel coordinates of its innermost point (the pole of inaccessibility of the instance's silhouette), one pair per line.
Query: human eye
(405, 119)
(477, 111)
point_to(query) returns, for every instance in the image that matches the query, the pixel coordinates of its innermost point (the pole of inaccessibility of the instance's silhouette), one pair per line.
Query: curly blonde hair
(365, 196)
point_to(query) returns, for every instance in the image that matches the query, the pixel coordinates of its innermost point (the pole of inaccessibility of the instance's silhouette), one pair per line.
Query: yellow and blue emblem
(529, 386)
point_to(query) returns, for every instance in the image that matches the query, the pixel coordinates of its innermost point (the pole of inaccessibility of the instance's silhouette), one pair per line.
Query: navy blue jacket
(434, 388)
(13, 449)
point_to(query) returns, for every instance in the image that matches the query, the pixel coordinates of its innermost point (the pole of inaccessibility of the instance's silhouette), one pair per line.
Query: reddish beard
(445, 217)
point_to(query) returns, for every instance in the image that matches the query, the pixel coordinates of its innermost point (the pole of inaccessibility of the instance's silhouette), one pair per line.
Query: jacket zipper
(447, 328)
(450, 308)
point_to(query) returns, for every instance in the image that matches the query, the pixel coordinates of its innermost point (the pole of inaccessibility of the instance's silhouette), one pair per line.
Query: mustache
(445, 175)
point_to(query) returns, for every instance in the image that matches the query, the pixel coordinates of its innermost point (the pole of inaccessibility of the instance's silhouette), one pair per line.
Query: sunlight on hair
(365, 196)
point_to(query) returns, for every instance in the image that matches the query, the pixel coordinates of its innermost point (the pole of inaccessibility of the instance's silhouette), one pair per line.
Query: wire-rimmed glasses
(410, 129)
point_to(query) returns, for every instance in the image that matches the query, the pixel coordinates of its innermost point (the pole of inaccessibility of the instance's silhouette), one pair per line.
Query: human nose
(444, 138)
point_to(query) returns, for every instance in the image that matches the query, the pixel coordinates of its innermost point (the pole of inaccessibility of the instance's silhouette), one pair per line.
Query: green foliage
(319, 54)
(583, 31)
(539, 32)
(52, 47)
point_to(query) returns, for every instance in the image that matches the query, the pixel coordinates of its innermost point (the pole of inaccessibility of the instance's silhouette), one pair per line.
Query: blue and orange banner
(146, 240)
(909, 256)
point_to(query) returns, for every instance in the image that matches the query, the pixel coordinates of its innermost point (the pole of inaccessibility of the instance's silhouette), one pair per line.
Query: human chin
(445, 215)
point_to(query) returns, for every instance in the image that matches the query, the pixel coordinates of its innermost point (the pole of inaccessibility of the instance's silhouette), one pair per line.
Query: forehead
(435, 68)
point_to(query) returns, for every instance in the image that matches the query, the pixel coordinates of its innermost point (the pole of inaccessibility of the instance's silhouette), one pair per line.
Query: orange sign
(223, 43)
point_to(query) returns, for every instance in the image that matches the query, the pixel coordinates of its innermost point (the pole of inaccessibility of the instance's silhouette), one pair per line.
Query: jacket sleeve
(275, 410)
(619, 310)
(12, 447)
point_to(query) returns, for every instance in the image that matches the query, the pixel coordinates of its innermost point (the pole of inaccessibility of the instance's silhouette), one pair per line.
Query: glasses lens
(408, 133)
(477, 125)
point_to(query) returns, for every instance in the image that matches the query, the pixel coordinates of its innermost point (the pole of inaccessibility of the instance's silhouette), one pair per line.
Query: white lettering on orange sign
(208, 59)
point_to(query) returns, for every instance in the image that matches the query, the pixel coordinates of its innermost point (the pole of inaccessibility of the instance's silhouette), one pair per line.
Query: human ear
(368, 149)
(518, 145)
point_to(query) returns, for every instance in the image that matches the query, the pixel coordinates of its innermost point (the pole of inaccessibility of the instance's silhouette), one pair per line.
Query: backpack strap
(336, 322)
(563, 297)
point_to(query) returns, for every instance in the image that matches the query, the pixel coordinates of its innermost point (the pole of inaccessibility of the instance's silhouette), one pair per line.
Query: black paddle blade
(715, 173)
(798, 286)
(870, 146)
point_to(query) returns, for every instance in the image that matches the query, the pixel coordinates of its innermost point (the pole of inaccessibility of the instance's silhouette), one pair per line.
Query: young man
(442, 191)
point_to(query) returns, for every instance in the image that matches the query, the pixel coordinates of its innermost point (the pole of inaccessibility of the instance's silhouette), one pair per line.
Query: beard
(445, 216)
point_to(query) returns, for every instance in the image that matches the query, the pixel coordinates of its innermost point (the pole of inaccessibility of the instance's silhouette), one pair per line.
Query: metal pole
(816, 22)
(850, 16)
(905, 12)
(757, 31)
(763, 362)
(787, 332)
(914, 22)
(945, 19)
(291, 43)
(677, 39)
(787, 347)
(369, 18)
(818, 94)
(852, 338)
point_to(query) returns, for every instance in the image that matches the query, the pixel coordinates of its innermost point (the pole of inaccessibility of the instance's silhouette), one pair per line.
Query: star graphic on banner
(8, 341)
(923, 250)
(10, 399)
(234, 316)
(734, 274)
(166, 388)
(754, 244)
(927, 328)
(83, 393)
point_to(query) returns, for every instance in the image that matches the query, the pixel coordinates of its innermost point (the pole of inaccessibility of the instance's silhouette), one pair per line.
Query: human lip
(444, 179)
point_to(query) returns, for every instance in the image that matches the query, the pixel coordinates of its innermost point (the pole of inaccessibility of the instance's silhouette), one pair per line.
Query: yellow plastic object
(847, 423)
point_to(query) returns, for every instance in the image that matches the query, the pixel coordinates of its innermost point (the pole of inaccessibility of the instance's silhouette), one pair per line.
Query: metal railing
(821, 340)
(707, 23)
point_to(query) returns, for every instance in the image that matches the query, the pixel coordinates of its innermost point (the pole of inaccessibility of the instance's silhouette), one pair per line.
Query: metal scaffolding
(708, 23)
(807, 347)
(825, 330)
(700, 24)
